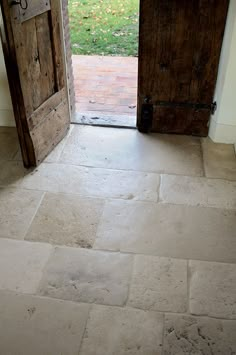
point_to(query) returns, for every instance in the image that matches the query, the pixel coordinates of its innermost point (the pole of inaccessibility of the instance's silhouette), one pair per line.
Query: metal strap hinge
(196, 106)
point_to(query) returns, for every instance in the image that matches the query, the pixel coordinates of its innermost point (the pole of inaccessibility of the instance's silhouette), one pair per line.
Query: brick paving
(106, 84)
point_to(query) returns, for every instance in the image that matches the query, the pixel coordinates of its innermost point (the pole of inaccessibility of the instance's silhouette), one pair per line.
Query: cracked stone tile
(178, 231)
(40, 326)
(219, 160)
(190, 335)
(21, 264)
(159, 284)
(120, 331)
(197, 191)
(93, 182)
(66, 220)
(87, 276)
(213, 289)
(17, 208)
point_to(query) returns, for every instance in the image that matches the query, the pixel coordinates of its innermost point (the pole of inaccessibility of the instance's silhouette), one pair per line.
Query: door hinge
(213, 107)
(146, 117)
(196, 106)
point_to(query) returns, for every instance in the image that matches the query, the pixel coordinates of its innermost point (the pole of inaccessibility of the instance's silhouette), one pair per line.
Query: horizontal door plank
(47, 134)
(48, 106)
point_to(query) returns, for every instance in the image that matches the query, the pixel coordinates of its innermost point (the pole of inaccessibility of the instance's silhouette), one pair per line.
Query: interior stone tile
(213, 289)
(219, 160)
(198, 191)
(66, 220)
(176, 231)
(21, 265)
(87, 276)
(185, 334)
(33, 325)
(9, 143)
(12, 173)
(159, 284)
(17, 208)
(94, 182)
(130, 150)
(120, 331)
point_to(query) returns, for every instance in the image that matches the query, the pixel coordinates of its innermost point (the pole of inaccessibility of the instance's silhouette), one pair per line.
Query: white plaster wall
(223, 122)
(6, 111)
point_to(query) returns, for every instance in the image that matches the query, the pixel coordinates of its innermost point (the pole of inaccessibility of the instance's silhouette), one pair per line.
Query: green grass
(104, 27)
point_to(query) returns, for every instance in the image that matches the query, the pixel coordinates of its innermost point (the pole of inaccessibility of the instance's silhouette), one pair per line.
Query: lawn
(104, 27)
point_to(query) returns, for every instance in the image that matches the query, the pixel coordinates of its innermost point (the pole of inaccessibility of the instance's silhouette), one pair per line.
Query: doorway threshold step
(95, 118)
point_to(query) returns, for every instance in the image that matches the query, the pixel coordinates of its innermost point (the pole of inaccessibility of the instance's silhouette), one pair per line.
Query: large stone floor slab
(219, 160)
(87, 276)
(198, 336)
(32, 325)
(213, 289)
(66, 220)
(17, 208)
(130, 150)
(21, 264)
(159, 284)
(9, 144)
(122, 331)
(93, 182)
(198, 191)
(168, 230)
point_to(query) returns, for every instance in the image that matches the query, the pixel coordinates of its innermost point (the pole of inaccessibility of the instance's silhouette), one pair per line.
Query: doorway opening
(104, 43)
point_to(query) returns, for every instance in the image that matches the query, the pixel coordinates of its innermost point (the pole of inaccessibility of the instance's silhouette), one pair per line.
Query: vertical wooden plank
(180, 44)
(208, 41)
(57, 45)
(47, 78)
(9, 49)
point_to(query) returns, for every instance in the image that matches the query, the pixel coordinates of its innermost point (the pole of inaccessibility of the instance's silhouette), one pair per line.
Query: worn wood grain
(35, 53)
(35, 8)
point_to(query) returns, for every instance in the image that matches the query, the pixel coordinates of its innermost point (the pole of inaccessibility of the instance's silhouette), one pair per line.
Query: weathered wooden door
(35, 65)
(180, 45)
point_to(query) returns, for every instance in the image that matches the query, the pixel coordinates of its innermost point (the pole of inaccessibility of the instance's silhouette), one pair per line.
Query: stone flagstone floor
(119, 243)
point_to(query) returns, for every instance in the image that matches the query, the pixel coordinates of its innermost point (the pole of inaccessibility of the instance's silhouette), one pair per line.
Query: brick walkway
(106, 85)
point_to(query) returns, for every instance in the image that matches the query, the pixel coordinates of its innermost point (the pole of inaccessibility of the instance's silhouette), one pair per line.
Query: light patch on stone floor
(122, 331)
(159, 284)
(31, 325)
(66, 220)
(130, 150)
(213, 289)
(93, 182)
(17, 208)
(190, 335)
(176, 231)
(21, 264)
(87, 276)
(198, 191)
(219, 160)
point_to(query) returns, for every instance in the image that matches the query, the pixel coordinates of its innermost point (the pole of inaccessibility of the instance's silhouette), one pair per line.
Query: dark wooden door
(35, 64)
(180, 45)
